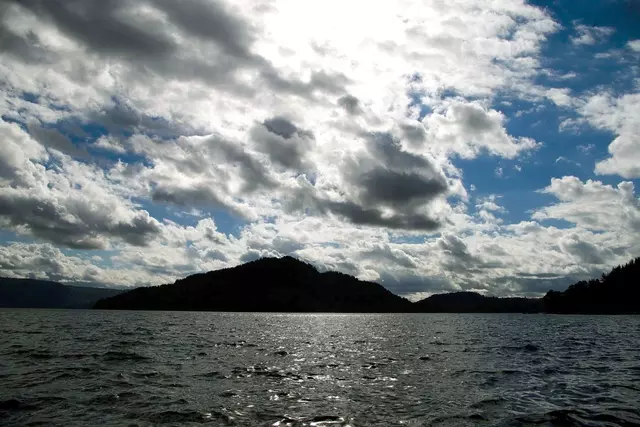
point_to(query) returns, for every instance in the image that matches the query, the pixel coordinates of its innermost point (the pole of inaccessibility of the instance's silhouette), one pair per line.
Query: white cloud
(467, 129)
(590, 35)
(634, 45)
(295, 117)
(45, 261)
(620, 116)
(593, 205)
(586, 148)
(67, 202)
(489, 203)
(563, 159)
(560, 96)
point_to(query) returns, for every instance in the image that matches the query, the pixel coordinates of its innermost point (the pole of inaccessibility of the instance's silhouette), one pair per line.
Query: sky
(430, 146)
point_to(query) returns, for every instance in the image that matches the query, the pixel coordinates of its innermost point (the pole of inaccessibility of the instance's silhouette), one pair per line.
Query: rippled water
(88, 368)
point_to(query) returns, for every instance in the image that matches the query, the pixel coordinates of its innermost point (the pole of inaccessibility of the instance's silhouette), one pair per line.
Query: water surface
(81, 368)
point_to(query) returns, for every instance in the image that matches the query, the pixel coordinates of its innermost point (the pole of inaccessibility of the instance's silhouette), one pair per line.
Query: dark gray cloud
(103, 27)
(253, 172)
(388, 150)
(361, 215)
(210, 164)
(474, 119)
(414, 133)
(281, 126)
(107, 28)
(455, 247)
(392, 188)
(397, 178)
(27, 49)
(585, 252)
(386, 187)
(215, 254)
(319, 81)
(350, 103)
(459, 259)
(328, 82)
(385, 255)
(52, 138)
(76, 224)
(286, 144)
(196, 195)
(212, 21)
(121, 119)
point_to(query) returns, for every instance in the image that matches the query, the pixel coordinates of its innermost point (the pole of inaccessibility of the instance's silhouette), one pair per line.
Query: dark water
(85, 368)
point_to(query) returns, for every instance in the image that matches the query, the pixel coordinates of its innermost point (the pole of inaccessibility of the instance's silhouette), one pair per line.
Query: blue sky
(427, 146)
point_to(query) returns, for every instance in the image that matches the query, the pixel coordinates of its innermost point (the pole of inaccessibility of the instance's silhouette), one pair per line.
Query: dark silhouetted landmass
(266, 285)
(31, 293)
(289, 285)
(472, 302)
(615, 293)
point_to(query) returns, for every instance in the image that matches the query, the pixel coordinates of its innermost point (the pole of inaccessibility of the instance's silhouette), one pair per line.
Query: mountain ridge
(35, 293)
(616, 292)
(267, 284)
(290, 285)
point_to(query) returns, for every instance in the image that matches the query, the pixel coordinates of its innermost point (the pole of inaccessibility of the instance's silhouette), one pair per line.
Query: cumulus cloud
(71, 205)
(621, 116)
(380, 185)
(467, 129)
(45, 261)
(590, 35)
(350, 103)
(284, 143)
(489, 203)
(593, 205)
(583, 251)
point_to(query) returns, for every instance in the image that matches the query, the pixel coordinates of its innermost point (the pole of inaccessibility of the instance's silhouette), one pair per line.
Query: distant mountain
(268, 284)
(31, 293)
(289, 285)
(472, 302)
(615, 293)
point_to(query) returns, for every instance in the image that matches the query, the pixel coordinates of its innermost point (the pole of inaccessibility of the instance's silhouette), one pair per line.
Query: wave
(121, 355)
(583, 417)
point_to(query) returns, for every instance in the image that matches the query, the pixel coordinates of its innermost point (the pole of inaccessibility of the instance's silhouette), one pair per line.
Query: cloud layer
(146, 141)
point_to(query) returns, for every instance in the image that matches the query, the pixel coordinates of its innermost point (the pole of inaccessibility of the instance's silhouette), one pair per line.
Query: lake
(83, 368)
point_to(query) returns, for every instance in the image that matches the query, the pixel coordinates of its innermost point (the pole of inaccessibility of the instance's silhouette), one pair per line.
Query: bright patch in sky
(430, 146)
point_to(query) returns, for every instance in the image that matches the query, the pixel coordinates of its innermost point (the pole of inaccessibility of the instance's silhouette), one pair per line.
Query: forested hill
(617, 292)
(472, 302)
(268, 284)
(32, 293)
(290, 285)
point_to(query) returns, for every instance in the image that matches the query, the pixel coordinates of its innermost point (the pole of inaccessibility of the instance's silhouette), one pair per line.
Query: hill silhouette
(472, 302)
(289, 285)
(268, 284)
(617, 292)
(32, 293)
